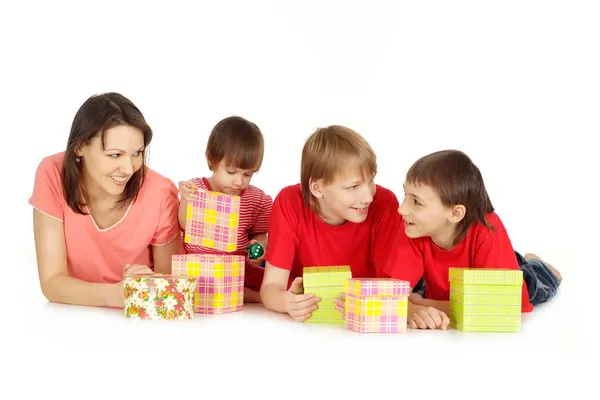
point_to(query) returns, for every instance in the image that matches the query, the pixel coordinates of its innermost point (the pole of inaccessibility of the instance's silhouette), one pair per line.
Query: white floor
(257, 351)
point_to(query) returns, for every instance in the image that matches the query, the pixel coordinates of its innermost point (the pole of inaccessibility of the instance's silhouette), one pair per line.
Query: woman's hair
(96, 115)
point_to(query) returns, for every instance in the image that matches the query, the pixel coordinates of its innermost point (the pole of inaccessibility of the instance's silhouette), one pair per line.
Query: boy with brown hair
(234, 153)
(449, 221)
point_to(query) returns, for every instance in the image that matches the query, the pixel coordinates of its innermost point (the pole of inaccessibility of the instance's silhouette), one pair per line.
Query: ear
(79, 150)
(207, 162)
(316, 187)
(458, 213)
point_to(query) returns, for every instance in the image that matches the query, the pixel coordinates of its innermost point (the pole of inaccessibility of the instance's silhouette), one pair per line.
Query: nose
(127, 165)
(367, 195)
(237, 180)
(403, 209)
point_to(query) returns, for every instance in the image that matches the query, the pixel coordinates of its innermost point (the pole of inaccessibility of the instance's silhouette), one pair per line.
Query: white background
(515, 84)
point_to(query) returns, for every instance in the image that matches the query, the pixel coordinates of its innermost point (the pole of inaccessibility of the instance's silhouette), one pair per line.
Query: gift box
(485, 300)
(220, 280)
(376, 305)
(325, 282)
(212, 221)
(157, 296)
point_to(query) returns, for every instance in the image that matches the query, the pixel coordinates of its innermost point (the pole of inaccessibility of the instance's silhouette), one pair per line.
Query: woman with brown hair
(99, 211)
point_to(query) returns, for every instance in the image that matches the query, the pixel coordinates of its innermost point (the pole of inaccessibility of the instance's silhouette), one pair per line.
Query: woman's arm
(56, 284)
(163, 255)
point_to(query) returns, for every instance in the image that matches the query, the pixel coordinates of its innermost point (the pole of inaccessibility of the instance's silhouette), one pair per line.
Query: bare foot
(531, 256)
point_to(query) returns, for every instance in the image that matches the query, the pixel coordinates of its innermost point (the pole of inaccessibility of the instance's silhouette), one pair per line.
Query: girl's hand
(259, 260)
(187, 191)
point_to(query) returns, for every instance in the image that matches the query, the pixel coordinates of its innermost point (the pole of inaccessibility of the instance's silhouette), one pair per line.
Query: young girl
(336, 215)
(234, 153)
(99, 211)
(449, 221)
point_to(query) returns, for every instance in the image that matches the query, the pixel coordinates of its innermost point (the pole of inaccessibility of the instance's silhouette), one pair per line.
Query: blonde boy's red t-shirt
(298, 238)
(481, 248)
(98, 255)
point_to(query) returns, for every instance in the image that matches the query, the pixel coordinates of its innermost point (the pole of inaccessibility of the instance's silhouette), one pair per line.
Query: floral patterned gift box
(159, 297)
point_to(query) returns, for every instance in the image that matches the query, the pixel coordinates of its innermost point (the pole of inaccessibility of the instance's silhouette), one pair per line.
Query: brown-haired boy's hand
(423, 317)
(299, 305)
(187, 191)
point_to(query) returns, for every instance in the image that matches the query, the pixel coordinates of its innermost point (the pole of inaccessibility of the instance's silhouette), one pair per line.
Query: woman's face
(107, 170)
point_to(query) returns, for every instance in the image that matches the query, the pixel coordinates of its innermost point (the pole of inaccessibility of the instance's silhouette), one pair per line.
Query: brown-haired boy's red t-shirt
(481, 248)
(299, 238)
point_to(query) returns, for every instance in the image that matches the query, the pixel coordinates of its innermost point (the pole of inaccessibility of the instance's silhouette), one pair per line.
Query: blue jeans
(541, 283)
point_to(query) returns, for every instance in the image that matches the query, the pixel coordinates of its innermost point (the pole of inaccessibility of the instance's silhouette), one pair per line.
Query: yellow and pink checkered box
(220, 281)
(212, 221)
(376, 305)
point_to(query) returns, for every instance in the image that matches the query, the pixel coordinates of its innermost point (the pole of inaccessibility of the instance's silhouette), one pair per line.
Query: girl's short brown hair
(239, 141)
(331, 151)
(457, 180)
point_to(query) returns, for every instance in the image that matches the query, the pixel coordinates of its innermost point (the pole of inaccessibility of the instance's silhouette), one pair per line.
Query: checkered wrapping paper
(158, 297)
(212, 221)
(377, 305)
(485, 300)
(220, 281)
(378, 287)
(326, 282)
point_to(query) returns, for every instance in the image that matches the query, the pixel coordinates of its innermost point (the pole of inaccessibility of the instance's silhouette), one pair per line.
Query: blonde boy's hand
(299, 305)
(187, 190)
(340, 304)
(421, 317)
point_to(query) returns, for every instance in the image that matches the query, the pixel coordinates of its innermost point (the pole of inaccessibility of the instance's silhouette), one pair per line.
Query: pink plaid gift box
(220, 281)
(212, 220)
(376, 305)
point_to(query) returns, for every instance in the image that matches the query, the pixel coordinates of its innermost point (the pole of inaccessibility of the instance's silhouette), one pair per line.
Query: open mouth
(119, 180)
(360, 209)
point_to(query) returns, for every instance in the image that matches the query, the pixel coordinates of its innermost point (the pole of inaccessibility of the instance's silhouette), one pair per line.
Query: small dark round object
(254, 251)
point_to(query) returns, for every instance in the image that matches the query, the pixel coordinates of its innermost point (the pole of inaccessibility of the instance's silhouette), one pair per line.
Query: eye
(352, 187)
(416, 202)
(231, 172)
(114, 155)
(138, 153)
